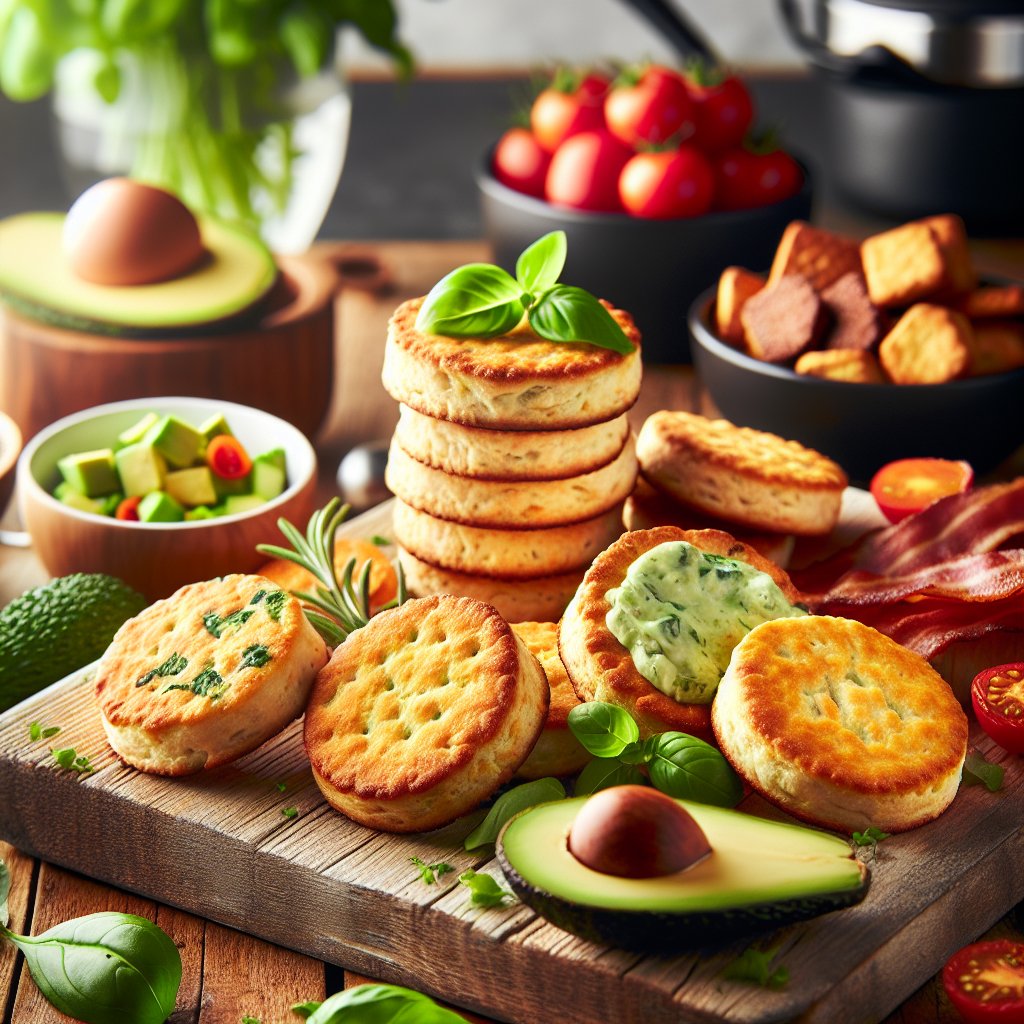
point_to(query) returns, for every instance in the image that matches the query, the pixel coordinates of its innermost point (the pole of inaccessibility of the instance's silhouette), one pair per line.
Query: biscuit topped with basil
(207, 675)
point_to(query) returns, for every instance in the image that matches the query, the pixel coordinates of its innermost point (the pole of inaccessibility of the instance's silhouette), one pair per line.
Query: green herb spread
(680, 612)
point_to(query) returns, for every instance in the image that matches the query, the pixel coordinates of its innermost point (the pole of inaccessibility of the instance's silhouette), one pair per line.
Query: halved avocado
(36, 279)
(760, 875)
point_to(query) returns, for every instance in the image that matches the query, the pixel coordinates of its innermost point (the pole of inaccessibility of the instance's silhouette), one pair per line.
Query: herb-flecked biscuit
(207, 675)
(601, 668)
(839, 725)
(510, 504)
(557, 751)
(540, 598)
(423, 713)
(516, 382)
(739, 474)
(509, 454)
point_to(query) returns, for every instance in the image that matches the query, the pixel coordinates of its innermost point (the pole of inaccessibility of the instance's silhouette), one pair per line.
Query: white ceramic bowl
(157, 558)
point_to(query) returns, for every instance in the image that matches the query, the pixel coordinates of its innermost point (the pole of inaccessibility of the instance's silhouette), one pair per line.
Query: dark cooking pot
(924, 100)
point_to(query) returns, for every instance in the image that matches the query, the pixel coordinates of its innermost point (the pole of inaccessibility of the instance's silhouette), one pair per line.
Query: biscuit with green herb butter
(207, 675)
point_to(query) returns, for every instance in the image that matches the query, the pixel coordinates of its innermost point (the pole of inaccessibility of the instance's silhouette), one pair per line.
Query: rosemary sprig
(338, 607)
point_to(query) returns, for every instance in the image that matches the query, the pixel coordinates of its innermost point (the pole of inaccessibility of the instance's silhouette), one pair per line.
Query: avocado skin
(50, 631)
(659, 932)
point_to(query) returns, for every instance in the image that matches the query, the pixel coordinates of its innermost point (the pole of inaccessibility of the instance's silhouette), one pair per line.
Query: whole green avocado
(54, 629)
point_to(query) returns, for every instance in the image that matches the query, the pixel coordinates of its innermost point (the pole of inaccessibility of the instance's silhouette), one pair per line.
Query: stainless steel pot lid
(975, 43)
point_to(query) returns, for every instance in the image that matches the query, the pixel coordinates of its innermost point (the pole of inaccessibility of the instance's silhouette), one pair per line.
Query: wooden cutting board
(218, 845)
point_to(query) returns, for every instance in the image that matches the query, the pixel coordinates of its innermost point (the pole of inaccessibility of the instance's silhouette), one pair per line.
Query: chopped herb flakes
(381, 542)
(209, 683)
(70, 760)
(290, 812)
(281, 786)
(869, 837)
(254, 656)
(258, 596)
(754, 967)
(429, 873)
(978, 771)
(37, 732)
(274, 603)
(484, 890)
(173, 666)
(215, 625)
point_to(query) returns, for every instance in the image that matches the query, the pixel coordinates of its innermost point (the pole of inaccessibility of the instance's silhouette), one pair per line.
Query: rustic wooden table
(228, 975)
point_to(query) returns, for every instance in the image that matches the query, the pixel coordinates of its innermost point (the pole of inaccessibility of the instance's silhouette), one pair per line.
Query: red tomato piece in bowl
(906, 486)
(227, 458)
(521, 162)
(997, 694)
(672, 183)
(985, 982)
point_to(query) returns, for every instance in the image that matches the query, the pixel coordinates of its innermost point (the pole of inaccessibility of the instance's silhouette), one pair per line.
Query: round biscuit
(206, 675)
(510, 504)
(423, 713)
(516, 382)
(601, 668)
(839, 725)
(745, 476)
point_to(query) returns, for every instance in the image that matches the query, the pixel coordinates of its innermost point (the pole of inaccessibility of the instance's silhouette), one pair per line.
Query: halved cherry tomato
(584, 172)
(227, 458)
(568, 106)
(985, 982)
(128, 509)
(673, 183)
(997, 694)
(906, 486)
(521, 162)
(653, 108)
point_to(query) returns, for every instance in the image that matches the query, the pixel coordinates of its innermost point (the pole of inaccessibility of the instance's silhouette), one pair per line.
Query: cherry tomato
(584, 172)
(568, 106)
(997, 694)
(521, 162)
(128, 509)
(906, 486)
(722, 112)
(985, 982)
(653, 109)
(744, 180)
(227, 458)
(674, 183)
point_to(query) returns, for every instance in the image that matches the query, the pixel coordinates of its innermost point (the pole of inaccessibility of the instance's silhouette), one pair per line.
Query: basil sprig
(480, 300)
(678, 764)
(509, 804)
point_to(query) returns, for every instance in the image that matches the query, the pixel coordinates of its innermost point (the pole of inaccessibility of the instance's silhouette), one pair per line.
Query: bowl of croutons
(869, 351)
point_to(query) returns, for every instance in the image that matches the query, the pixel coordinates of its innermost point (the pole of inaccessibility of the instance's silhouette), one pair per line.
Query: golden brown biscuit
(735, 286)
(857, 323)
(601, 668)
(998, 346)
(510, 504)
(846, 364)
(206, 675)
(952, 236)
(423, 713)
(929, 345)
(540, 598)
(903, 265)
(783, 320)
(516, 382)
(995, 302)
(742, 475)
(820, 256)
(839, 725)
(557, 752)
(509, 454)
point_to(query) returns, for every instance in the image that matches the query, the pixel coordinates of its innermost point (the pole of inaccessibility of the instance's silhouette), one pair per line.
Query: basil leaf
(871, 836)
(605, 772)
(5, 889)
(539, 265)
(105, 967)
(567, 313)
(690, 769)
(979, 771)
(637, 753)
(484, 890)
(509, 804)
(605, 730)
(754, 967)
(305, 1009)
(381, 1004)
(306, 36)
(477, 300)
(26, 60)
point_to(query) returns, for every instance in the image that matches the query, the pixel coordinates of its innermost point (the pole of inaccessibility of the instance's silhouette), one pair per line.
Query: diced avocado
(267, 479)
(90, 473)
(760, 874)
(275, 457)
(67, 495)
(142, 469)
(236, 503)
(191, 486)
(135, 433)
(215, 426)
(225, 487)
(158, 507)
(177, 441)
(200, 512)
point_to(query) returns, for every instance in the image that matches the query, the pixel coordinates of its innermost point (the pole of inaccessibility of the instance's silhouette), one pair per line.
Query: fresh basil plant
(377, 1004)
(480, 300)
(509, 804)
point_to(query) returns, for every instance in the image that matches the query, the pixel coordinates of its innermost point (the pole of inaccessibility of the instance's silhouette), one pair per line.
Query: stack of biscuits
(510, 462)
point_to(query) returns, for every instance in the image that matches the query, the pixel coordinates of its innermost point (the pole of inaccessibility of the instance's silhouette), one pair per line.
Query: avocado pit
(636, 832)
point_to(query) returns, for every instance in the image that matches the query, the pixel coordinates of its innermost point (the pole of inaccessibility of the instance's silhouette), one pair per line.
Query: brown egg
(121, 232)
(636, 832)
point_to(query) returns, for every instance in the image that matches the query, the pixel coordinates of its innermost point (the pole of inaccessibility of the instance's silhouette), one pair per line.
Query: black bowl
(652, 268)
(861, 426)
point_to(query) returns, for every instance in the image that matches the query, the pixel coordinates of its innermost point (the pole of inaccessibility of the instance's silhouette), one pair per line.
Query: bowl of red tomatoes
(658, 181)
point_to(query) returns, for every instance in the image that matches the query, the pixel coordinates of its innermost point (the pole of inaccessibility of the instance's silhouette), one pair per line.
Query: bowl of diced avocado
(163, 491)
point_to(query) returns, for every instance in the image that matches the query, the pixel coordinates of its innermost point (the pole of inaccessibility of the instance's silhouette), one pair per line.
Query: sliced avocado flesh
(761, 874)
(35, 278)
